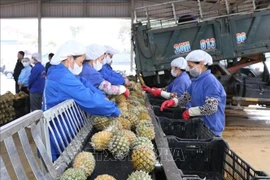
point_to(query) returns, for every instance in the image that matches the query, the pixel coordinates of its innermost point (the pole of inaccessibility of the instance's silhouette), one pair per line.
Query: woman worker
(179, 84)
(62, 84)
(205, 94)
(95, 54)
(108, 73)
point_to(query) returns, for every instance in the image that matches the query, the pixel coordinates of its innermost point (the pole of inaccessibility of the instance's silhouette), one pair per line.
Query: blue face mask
(194, 73)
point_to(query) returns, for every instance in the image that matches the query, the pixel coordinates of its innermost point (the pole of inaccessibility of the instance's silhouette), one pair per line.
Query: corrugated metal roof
(69, 8)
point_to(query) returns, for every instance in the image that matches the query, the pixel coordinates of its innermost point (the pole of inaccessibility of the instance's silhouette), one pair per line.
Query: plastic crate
(193, 129)
(172, 113)
(155, 100)
(211, 160)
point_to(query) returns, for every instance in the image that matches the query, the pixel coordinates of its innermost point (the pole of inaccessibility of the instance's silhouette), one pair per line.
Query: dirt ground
(251, 144)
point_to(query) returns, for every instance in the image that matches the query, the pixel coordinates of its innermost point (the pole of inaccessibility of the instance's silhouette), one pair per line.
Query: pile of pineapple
(132, 131)
(7, 112)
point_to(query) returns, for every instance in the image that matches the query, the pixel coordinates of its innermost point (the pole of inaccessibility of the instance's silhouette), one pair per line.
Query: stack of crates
(198, 152)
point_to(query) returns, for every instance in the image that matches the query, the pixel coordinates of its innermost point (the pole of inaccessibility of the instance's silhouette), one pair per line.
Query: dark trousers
(17, 90)
(25, 89)
(35, 101)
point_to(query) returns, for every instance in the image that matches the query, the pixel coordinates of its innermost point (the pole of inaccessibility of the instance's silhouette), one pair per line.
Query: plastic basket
(211, 160)
(172, 113)
(155, 100)
(193, 129)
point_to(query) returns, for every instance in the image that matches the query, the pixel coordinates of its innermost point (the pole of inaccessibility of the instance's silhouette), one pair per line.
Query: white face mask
(97, 65)
(76, 70)
(32, 61)
(107, 60)
(173, 73)
(25, 64)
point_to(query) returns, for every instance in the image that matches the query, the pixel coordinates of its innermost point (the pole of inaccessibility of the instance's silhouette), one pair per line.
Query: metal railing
(186, 11)
(69, 127)
(19, 128)
(65, 123)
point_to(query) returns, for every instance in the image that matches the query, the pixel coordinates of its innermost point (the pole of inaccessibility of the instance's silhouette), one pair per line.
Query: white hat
(94, 51)
(179, 62)
(36, 56)
(69, 48)
(26, 59)
(111, 50)
(200, 55)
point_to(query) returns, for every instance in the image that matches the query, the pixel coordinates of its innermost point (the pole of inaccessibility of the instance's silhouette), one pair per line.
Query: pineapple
(123, 105)
(86, 161)
(144, 116)
(104, 177)
(100, 122)
(119, 146)
(143, 159)
(129, 134)
(126, 124)
(133, 119)
(73, 173)
(139, 175)
(134, 111)
(142, 142)
(120, 99)
(145, 123)
(145, 129)
(100, 140)
(132, 98)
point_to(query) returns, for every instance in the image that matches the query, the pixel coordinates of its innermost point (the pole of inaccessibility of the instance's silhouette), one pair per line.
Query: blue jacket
(36, 80)
(91, 75)
(206, 85)
(24, 76)
(180, 84)
(110, 75)
(61, 85)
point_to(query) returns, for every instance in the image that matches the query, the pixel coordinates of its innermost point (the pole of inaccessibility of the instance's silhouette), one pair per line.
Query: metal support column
(39, 28)
(131, 41)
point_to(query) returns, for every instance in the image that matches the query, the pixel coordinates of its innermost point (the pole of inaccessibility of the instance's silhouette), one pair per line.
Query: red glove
(126, 93)
(186, 115)
(167, 104)
(146, 88)
(156, 92)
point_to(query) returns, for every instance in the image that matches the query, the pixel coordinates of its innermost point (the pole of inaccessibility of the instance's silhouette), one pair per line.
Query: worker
(24, 75)
(62, 84)
(95, 54)
(48, 64)
(206, 95)
(108, 73)
(36, 82)
(178, 86)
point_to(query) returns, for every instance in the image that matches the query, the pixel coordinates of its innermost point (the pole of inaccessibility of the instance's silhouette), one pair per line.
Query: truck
(235, 33)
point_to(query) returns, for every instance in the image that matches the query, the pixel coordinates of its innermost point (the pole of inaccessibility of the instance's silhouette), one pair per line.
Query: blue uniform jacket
(61, 85)
(206, 85)
(24, 76)
(110, 75)
(180, 84)
(36, 80)
(91, 75)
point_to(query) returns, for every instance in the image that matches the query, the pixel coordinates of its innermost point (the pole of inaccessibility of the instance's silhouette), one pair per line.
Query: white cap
(36, 56)
(69, 48)
(179, 62)
(26, 59)
(200, 55)
(111, 50)
(94, 51)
